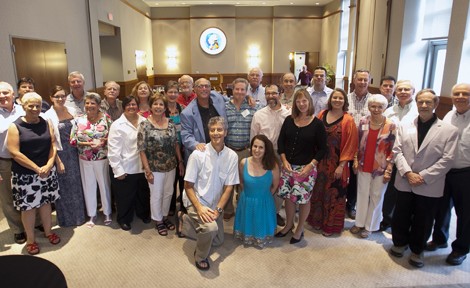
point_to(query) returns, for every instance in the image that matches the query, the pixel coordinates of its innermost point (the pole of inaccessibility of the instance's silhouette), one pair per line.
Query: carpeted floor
(110, 257)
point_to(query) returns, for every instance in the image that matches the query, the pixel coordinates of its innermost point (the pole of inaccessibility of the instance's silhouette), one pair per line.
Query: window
(435, 61)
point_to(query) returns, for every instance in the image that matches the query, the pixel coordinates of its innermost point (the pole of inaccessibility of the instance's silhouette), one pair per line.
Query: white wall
(48, 20)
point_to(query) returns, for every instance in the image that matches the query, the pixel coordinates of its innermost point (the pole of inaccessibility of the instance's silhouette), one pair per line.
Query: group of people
(381, 159)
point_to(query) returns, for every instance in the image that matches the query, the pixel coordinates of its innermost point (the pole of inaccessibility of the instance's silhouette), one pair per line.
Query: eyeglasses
(271, 93)
(59, 97)
(203, 86)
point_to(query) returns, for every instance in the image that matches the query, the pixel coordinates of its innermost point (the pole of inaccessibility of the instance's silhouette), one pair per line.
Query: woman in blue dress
(255, 220)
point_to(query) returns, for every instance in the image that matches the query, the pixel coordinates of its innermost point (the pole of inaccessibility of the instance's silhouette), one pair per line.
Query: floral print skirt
(30, 191)
(297, 189)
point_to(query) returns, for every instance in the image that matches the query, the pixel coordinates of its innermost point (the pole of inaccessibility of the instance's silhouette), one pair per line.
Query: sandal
(179, 228)
(161, 229)
(32, 248)
(53, 238)
(168, 224)
(204, 261)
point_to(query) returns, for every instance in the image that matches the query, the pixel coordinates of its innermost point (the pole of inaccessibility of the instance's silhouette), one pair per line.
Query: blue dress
(255, 218)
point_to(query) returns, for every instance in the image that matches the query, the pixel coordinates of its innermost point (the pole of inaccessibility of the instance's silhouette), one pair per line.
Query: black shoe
(20, 238)
(384, 226)
(352, 213)
(146, 220)
(40, 228)
(280, 221)
(125, 226)
(294, 240)
(280, 234)
(433, 246)
(455, 258)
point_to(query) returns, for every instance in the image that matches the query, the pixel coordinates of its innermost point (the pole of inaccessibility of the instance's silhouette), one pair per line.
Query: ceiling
(187, 3)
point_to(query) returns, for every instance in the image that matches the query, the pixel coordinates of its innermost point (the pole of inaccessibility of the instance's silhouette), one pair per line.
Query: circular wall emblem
(213, 41)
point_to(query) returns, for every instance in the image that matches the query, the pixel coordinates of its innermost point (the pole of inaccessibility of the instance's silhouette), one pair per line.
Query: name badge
(245, 113)
(365, 127)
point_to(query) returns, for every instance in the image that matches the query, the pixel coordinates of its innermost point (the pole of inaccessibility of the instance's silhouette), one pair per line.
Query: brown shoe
(355, 229)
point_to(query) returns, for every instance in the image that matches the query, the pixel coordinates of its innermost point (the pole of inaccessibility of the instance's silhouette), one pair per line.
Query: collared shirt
(287, 102)
(320, 99)
(258, 94)
(392, 102)
(239, 124)
(268, 122)
(401, 115)
(358, 108)
(210, 171)
(183, 101)
(114, 112)
(6, 118)
(462, 122)
(123, 155)
(79, 105)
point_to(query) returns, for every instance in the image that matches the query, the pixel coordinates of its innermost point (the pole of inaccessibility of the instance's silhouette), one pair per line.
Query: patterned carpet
(110, 257)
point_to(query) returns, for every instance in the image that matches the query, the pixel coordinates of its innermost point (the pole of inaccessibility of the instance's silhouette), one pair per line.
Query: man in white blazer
(424, 152)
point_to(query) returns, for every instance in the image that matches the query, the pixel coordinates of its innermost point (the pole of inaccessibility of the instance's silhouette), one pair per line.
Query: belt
(238, 149)
(5, 159)
(459, 170)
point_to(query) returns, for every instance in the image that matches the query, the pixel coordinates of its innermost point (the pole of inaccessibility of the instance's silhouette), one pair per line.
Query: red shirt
(369, 154)
(183, 101)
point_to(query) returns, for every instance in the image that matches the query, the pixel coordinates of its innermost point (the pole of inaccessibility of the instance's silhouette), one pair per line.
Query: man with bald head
(456, 183)
(9, 112)
(255, 89)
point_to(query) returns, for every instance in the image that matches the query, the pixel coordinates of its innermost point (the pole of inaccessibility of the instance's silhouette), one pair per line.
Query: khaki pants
(12, 215)
(205, 234)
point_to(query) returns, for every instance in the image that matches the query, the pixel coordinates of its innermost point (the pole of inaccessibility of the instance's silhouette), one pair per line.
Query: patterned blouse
(383, 151)
(84, 131)
(158, 145)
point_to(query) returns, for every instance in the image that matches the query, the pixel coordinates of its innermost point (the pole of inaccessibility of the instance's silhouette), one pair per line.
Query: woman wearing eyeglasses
(71, 205)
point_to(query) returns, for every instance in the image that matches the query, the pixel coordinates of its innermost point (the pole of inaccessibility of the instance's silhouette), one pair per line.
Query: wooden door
(44, 61)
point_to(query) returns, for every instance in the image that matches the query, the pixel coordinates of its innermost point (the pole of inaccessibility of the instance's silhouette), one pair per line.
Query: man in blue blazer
(424, 152)
(194, 118)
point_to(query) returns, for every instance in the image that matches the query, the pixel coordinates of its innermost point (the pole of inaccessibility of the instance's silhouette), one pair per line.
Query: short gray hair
(377, 98)
(76, 74)
(217, 119)
(93, 96)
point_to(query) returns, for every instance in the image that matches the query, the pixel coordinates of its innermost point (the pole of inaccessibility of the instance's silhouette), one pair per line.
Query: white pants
(160, 194)
(370, 196)
(91, 173)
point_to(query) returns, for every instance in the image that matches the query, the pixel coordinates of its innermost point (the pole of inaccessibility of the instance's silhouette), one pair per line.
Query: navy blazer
(192, 129)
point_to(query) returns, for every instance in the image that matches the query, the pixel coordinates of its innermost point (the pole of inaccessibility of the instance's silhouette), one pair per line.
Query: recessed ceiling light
(291, 3)
(317, 3)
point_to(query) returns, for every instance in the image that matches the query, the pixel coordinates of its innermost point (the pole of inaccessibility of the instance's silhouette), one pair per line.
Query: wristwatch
(220, 210)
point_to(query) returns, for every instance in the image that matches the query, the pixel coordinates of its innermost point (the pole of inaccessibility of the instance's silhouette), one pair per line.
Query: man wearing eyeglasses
(9, 112)
(187, 94)
(255, 89)
(268, 121)
(402, 112)
(194, 118)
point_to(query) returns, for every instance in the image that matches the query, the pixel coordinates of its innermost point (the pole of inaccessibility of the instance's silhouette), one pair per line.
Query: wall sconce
(291, 56)
(253, 56)
(172, 57)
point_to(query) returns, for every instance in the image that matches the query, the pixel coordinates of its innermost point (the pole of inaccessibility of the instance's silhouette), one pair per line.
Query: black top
(35, 143)
(206, 114)
(302, 144)
(423, 128)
